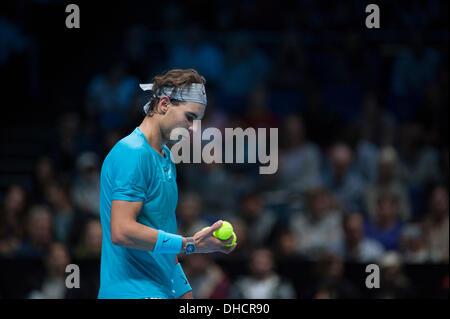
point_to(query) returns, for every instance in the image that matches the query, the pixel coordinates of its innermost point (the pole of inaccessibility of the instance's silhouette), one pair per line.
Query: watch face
(190, 248)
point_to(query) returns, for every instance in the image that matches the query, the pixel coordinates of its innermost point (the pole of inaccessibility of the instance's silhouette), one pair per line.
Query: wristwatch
(190, 246)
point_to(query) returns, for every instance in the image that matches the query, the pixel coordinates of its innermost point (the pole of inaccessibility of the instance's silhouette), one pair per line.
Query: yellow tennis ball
(233, 242)
(224, 232)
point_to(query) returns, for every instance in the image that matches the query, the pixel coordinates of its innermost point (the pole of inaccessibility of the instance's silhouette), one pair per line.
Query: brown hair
(178, 78)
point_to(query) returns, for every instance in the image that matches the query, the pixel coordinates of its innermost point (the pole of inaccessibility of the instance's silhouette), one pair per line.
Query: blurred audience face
(93, 237)
(87, 164)
(189, 208)
(354, 229)
(57, 259)
(57, 196)
(320, 204)
(197, 266)
(261, 263)
(330, 267)
(439, 203)
(341, 157)
(286, 244)
(252, 206)
(387, 165)
(387, 210)
(45, 170)
(68, 127)
(40, 226)
(15, 200)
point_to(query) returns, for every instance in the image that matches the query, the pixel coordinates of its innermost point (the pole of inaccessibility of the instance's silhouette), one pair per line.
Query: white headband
(194, 93)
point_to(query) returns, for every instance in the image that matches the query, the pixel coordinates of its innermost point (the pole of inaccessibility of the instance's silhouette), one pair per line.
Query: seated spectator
(284, 247)
(329, 280)
(39, 233)
(196, 51)
(44, 175)
(377, 127)
(386, 226)
(259, 220)
(12, 215)
(263, 282)
(90, 245)
(258, 112)
(245, 66)
(419, 165)
(413, 245)
(207, 279)
(189, 215)
(414, 68)
(388, 181)
(436, 225)
(394, 284)
(300, 159)
(318, 226)
(54, 283)
(342, 181)
(109, 96)
(64, 214)
(86, 187)
(355, 247)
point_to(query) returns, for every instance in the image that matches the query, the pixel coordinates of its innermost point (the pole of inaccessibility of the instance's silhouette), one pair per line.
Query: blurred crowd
(363, 157)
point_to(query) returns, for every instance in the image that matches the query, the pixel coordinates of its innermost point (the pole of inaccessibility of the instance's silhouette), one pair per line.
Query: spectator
(342, 181)
(330, 282)
(39, 233)
(110, 95)
(318, 226)
(245, 66)
(413, 245)
(300, 159)
(386, 226)
(284, 247)
(86, 187)
(12, 214)
(355, 247)
(207, 279)
(67, 142)
(259, 220)
(90, 245)
(64, 214)
(414, 68)
(395, 284)
(189, 214)
(377, 127)
(263, 282)
(419, 165)
(53, 284)
(44, 175)
(388, 181)
(258, 112)
(196, 51)
(436, 225)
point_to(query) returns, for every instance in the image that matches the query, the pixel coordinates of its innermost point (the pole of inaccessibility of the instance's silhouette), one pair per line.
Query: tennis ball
(233, 234)
(233, 242)
(224, 232)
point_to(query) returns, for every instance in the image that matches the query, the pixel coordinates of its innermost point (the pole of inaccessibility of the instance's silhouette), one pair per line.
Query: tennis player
(139, 195)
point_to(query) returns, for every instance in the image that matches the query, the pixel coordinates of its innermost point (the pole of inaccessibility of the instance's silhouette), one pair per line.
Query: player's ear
(163, 104)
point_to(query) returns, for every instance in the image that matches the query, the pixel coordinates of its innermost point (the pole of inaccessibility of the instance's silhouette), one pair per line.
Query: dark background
(336, 66)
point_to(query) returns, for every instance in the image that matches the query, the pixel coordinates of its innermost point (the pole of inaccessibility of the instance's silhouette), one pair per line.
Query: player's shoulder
(131, 146)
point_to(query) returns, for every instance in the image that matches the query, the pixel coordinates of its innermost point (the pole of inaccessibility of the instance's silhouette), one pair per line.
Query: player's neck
(152, 133)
